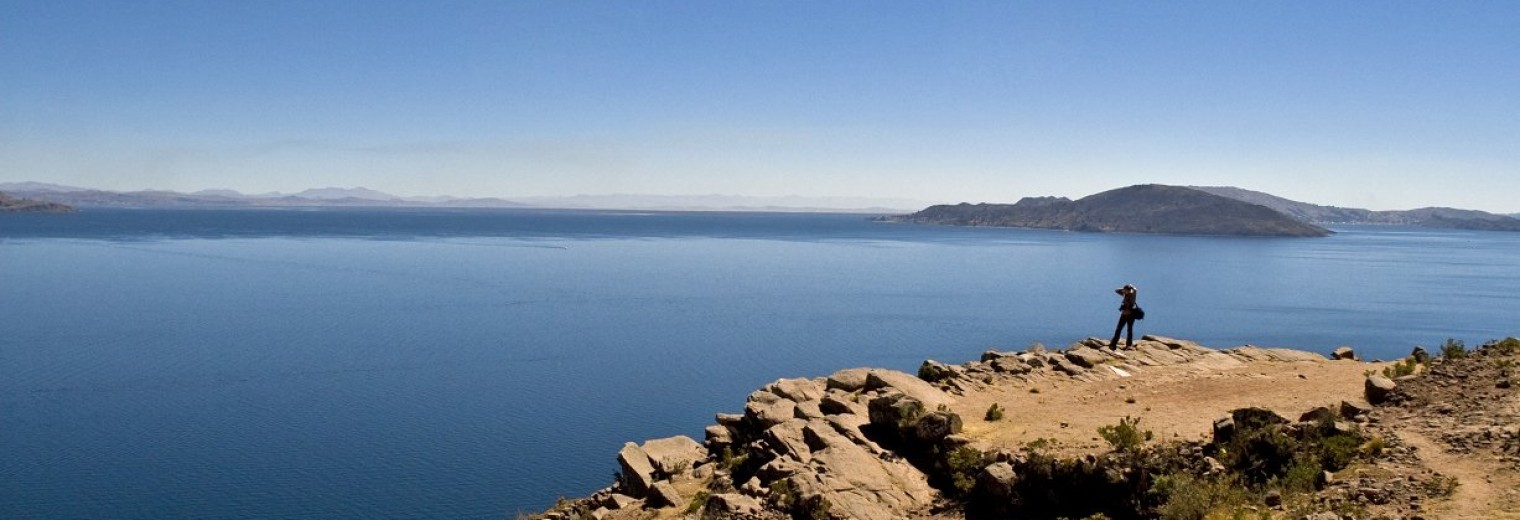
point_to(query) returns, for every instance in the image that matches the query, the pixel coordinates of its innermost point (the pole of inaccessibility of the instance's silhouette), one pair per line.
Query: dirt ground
(1181, 401)
(1174, 402)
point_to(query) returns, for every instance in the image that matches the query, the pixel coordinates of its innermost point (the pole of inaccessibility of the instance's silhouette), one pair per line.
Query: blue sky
(1386, 105)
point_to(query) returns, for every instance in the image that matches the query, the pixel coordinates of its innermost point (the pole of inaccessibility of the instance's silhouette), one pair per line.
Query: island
(1146, 208)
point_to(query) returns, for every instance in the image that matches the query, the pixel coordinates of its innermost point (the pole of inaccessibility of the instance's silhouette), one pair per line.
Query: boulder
(1254, 418)
(993, 355)
(849, 380)
(787, 439)
(909, 385)
(638, 473)
(935, 426)
(934, 371)
(1378, 388)
(860, 485)
(732, 504)
(674, 455)
(664, 495)
(766, 409)
(895, 411)
(1350, 410)
(836, 403)
(1224, 430)
(619, 501)
(731, 420)
(1012, 365)
(796, 389)
(1085, 357)
(1319, 415)
(1343, 352)
(1419, 355)
(996, 481)
(718, 436)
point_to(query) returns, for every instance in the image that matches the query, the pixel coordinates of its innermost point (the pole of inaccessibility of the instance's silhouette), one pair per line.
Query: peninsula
(1146, 208)
(9, 204)
(1168, 429)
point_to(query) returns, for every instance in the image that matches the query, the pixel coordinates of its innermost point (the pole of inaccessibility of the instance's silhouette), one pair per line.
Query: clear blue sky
(1386, 105)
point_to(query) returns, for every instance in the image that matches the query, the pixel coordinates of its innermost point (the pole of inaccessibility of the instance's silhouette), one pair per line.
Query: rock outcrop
(882, 444)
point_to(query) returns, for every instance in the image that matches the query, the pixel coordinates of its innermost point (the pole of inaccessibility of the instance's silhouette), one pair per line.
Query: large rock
(849, 380)
(861, 485)
(731, 505)
(895, 410)
(787, 439)
(674, 455)
(838, 403)
(1378, 388)
(663, 494)
(1343, 352)
(797, 389)
(1085, 357)
(911, 386)
(996, 481)
(935, 426)
(1254, 418)
(638, 473)
(765, 409)
(934, 371)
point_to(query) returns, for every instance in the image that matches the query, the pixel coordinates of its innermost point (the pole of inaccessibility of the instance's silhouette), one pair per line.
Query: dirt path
(1487, 491)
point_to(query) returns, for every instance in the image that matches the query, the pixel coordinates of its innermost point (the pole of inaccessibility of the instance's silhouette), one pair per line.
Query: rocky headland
(9, 204)
(1168, 429)
(1148, 208)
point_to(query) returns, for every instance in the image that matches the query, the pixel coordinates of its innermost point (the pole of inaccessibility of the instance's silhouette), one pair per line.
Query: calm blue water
(472, 364)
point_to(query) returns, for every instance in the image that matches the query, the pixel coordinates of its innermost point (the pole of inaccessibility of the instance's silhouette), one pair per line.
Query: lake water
(473, 364)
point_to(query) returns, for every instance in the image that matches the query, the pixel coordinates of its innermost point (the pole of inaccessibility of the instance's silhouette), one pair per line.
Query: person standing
(1127, 315)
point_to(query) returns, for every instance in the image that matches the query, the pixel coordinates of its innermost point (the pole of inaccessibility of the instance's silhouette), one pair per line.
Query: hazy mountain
(1448, 218)
(36, 187)
(1147, 208)
(725, 203)
(365, 197)
(345, 193)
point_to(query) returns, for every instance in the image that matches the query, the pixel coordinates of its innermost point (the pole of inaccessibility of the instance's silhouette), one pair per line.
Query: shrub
(1453, 349)
(1185, 497)
(1124, 436)
(1441, 486)
(1337, 451)
(963, 464)
(1505, 347)
(1373, 447)
(1402, 368)
(781, 495)
(994, 413)
(697, 502)
(730, 460)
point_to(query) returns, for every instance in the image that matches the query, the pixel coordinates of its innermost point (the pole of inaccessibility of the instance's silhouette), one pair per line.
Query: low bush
(994, 413)
(1453, 349)
(1125, 436)
(1185, 497)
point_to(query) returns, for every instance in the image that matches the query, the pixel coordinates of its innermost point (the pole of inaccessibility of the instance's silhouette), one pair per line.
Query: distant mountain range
(364, 197)
(1147, 208)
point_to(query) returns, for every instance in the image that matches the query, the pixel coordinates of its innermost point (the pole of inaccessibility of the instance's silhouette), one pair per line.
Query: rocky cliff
(1186, 432)
(1150, 208)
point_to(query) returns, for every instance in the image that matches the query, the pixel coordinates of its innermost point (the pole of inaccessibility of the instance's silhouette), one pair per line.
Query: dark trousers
(1125, 318)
